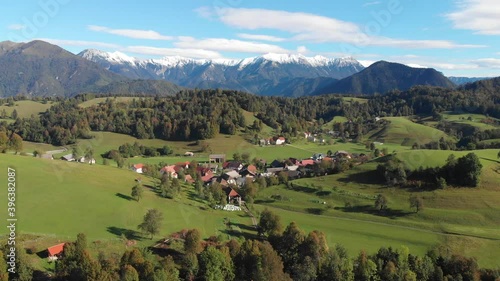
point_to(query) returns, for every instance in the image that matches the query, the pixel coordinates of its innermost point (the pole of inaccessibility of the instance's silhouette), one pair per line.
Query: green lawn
(61, 199)
(469, 119)
(26, 108)
(404, 132)
(451, 216)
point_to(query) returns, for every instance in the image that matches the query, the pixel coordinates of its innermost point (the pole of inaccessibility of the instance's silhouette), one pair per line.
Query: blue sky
(457, 37)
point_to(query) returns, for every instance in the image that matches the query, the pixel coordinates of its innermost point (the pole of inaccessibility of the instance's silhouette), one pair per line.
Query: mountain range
(42, 69)
(270, 74)
(38, 68)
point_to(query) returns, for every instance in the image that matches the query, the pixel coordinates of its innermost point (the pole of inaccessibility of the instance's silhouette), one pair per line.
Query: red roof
(281, 138)
(138, 166)
(307, 162)
(56, 250)
(231, 192)
(252, 168)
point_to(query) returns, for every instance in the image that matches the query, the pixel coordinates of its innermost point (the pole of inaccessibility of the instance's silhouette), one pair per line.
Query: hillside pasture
(26, 108)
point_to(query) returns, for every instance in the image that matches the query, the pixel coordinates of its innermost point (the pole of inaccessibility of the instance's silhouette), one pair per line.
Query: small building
(68, 157)
(264, 142)
(306, 162)
(217, 158)
(138, 168)
(342, 154)
(189, 179)
(189, 154)
(47, 156)
(170, 171)
(277, 164)
(232, 196)
(55, 251)
(280, 141)
(232, 165)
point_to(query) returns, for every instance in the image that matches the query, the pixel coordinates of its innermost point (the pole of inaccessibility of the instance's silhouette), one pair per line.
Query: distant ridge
(270, 74)
(384, 76)
(38, 68)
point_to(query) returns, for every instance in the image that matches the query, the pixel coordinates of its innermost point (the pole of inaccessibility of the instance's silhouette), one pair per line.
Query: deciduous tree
(151, 223)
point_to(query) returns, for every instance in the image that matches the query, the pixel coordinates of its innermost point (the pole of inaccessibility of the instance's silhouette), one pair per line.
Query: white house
(280, 140)
(138, 168)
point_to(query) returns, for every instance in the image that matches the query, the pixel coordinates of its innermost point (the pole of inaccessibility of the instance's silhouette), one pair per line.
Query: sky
(456, 37)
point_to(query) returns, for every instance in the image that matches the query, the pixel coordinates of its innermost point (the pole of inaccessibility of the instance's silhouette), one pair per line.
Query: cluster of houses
(273, 141)
(80, 159)
(236, 173)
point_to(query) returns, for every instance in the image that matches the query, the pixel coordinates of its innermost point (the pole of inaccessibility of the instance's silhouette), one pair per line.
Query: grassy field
(26, 108)
(404, 132)
(336, 119)
(452, 216)
(61, 199)
(468, 119)
(96, 101)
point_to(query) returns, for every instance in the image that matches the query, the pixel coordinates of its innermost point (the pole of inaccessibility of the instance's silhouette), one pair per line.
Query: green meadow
(26, 108)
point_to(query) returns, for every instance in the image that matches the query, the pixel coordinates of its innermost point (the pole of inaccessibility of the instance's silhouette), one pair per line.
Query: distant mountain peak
(266, 74)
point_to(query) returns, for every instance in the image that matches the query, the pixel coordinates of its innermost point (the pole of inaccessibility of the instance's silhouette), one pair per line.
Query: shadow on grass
(323, 193)
(241, 234)
(300, 188)
(244, 226)
(43, 254)
(123, 196)
(315, 211)
(129, 234)
(367, 177)
(369, 209)
(264, 201)
(192, 196)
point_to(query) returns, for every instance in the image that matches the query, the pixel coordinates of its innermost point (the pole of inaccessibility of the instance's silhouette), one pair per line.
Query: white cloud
(260, 37)
(80, 43)
(16, 26)
(302, 50)
(315, 28)
(480, 16)
(228, 45)
(366, 63)
(487, 63)
(183, 52)
(131, 33)
(372, 3)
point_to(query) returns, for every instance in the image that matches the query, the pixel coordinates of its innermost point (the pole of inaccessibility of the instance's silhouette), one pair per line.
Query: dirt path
(246, 210)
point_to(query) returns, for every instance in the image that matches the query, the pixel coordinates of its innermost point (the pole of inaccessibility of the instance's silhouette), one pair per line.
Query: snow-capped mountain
(268, 74)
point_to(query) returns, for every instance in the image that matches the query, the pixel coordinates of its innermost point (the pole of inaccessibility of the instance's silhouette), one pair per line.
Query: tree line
(280, 254)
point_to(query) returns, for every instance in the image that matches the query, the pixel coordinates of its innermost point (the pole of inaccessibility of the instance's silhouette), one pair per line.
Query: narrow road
(52, 152)
(246, 210)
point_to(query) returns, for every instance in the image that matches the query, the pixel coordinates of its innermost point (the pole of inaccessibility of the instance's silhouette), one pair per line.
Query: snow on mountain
(266, 74)
(114, 57)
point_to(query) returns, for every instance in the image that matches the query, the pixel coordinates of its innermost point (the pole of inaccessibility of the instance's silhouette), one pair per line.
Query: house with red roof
(138, 168)
(280, 141)
(306, 162)
(232, 196)
(170, 171)
(55, 251)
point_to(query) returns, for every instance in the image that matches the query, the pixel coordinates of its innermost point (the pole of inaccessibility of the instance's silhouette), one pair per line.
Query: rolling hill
(38, 68)
(383, 76)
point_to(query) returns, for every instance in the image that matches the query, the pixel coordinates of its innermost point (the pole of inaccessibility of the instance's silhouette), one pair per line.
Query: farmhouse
(232, 196)
(55, 251)
(170, 171)
(217, 158)
(68, 157)
(138, 168)
(280, 141)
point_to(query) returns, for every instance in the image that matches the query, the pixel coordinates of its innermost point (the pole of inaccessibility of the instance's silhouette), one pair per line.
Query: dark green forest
(201, 114)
